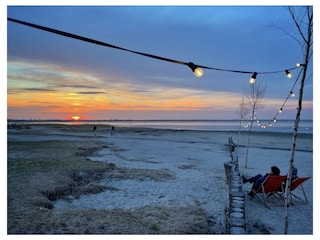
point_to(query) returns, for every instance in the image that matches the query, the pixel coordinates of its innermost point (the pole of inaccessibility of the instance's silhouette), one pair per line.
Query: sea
(282, 126)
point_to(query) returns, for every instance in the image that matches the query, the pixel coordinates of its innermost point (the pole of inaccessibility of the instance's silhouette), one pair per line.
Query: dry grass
(146, 220)
(40, 172)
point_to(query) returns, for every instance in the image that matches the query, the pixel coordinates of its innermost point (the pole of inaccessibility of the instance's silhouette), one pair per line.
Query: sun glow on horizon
(40, 95)
(76, 118)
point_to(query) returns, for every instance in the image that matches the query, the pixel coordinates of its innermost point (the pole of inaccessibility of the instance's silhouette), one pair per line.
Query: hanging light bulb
(198, 72)
(274, 120)
(300, 64)
(289, 75)
(252, 80)
(292, 94)
(280, 110)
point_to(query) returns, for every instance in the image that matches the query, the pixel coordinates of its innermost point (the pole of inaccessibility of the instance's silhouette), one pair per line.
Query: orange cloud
(70, 93)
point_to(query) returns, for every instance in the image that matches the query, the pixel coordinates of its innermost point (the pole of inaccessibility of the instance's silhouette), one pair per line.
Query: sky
(54, 77)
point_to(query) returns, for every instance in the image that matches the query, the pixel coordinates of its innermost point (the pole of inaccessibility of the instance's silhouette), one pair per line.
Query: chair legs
(302, 200)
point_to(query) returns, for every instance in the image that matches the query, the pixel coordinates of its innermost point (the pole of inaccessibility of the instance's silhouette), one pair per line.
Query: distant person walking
(112, 130)
(94, 129)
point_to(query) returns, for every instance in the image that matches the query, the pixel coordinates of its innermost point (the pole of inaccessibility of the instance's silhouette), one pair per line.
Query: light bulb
(198, 72)
(252, 80)
(289, 75)
(292, 94)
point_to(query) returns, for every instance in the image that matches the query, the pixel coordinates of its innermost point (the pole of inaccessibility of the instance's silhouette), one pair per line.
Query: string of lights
(197, 69)
(265, 124)
(291, 93)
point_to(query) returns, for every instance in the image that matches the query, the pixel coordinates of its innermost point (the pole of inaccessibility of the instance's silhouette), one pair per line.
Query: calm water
(305, 126)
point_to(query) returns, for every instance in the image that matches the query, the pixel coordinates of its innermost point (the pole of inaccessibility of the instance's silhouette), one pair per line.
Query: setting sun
(75, 118)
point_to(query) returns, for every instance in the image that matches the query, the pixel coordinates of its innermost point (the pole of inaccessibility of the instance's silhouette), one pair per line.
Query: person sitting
(258, 179)
(294, 173)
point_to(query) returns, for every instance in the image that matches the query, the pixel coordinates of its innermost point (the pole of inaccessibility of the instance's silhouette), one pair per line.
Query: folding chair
(268, 188)
(296, 183)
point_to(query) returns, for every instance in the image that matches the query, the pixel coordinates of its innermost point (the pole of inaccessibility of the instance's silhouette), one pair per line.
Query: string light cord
(247, 72)
(290, 94)
(263, 125)
(195, 68)
(85, 39)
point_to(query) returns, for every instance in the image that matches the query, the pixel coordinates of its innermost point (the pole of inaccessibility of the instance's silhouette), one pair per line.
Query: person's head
(275, 170)
(294, 172)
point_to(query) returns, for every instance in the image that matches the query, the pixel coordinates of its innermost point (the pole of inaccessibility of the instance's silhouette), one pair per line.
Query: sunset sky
(54, 77)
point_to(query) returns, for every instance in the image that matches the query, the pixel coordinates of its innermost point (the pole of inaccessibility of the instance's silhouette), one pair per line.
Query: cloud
(88, 93)
(85, 77)
(75, 86)
(38, 90)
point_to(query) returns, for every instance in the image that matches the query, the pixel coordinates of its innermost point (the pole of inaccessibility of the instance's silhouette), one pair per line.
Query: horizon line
(111, 120)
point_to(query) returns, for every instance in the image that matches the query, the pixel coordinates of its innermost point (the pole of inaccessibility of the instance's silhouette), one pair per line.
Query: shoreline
(65, 132)
(121, 129)
(305, 126)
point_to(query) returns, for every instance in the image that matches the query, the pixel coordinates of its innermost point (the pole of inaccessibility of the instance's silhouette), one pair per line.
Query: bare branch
(292, 13)
(290, 35)
(255, 93)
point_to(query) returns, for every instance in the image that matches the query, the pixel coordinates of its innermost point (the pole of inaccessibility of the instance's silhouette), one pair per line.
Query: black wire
(285, 101)
(70, 35)
(81, 38)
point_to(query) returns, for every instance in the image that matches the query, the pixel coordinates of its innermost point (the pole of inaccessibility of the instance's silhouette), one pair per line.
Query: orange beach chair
(268, 188)
(298, 184)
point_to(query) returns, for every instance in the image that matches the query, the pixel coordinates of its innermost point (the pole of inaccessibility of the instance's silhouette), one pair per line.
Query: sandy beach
(69, 179)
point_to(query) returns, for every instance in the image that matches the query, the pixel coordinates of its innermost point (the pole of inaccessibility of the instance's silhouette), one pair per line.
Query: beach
(136, 180)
